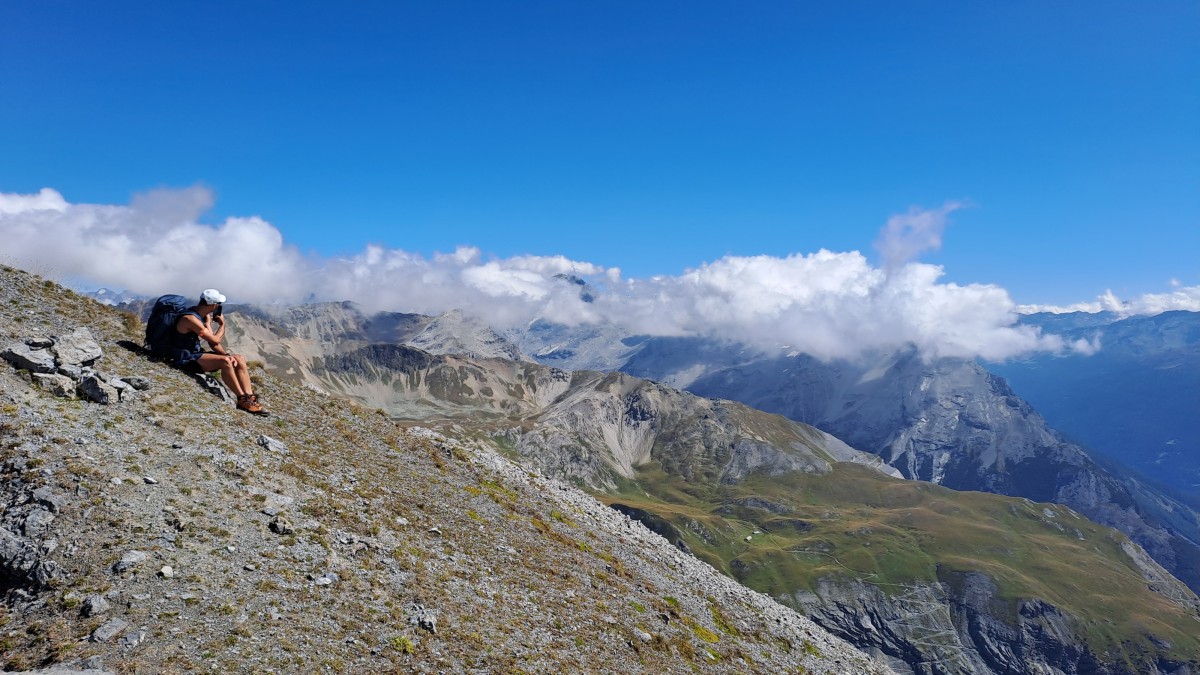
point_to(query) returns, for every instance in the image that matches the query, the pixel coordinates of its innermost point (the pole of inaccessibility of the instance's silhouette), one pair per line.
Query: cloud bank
(828, 304)
(1185, 298)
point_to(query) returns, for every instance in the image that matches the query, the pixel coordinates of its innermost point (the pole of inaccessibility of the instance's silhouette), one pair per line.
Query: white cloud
(1185, 298)
(152, 246)
(46, 200)
(907, 235)
(827, 304)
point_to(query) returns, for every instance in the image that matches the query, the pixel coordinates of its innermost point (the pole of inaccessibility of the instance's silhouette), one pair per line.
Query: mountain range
(148, 526)
(735, 486)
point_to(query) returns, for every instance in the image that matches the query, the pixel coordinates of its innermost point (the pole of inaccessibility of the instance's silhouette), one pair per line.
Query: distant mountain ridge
(1137, 400)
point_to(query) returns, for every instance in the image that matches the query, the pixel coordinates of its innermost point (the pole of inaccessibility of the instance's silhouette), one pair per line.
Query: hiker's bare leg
(226, 364)
(243, 374)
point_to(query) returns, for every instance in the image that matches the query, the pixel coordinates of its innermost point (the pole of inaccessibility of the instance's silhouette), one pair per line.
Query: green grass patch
(857, 524)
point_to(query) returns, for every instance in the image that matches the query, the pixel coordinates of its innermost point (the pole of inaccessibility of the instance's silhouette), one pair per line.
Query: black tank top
(185, 347)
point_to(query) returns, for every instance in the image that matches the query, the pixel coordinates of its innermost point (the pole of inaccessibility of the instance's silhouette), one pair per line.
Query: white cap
(212, 296)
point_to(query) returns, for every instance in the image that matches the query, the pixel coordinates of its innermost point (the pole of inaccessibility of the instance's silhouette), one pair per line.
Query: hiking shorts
(191, 367)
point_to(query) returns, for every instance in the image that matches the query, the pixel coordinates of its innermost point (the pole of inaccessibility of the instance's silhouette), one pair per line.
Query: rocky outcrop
(64, 365)
(458, 333)
(26, 567)
(607, 425)
(959, 625)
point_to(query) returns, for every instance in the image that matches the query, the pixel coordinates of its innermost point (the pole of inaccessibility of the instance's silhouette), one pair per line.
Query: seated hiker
(187, 354)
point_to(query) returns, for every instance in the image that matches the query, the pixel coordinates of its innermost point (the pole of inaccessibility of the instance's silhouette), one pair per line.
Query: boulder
(95, 605)
(137, 382)
(47, 496)
(419, 615)
(21, 355)
(273, 445)
(125, 390)
(96, 389)
(109, 630)
(215, 388)
(37, 523)
(21, 560)
(129, 561)
(77, 348)
(59, 385)
(72, 371)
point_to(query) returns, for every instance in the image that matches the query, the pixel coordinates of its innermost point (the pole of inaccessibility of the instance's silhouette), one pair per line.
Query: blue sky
(648, 136)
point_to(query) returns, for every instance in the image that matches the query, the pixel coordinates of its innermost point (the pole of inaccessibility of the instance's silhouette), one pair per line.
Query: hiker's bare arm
(219, 333)
(201, 329)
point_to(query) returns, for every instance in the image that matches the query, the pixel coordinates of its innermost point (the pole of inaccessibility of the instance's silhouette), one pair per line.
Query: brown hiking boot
(249, 403)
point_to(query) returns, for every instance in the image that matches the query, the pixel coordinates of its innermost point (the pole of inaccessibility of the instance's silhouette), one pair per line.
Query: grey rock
(96, 389)
(280, 525)
(79, 347)
(129, 561)
(95, 605)
(273, 445)
(125, 391)
(15, 465)
(59, 385)
(419, 615)
(72, 371)
(25, 357)
(37, 523)
(109, 630)
(39, 343)
(137, 382)
(215, 388)
(45, 495)
(149, 480)
(21, 560)
(134, 639)
(326, 579)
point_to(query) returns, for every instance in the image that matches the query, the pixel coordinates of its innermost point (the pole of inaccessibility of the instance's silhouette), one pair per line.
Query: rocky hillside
(931, 579)
(163, 531)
